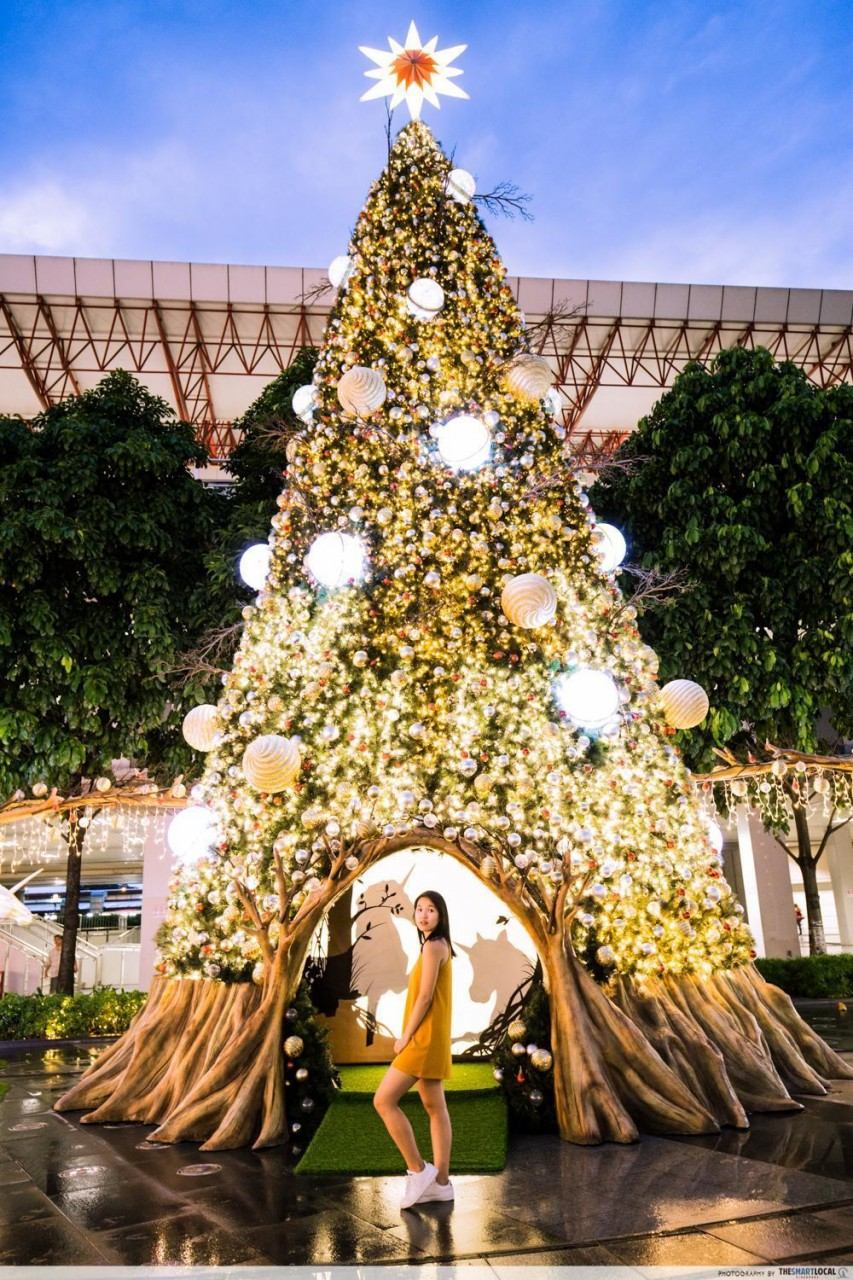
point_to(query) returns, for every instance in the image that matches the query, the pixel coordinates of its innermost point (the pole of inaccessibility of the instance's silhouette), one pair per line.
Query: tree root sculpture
(607, 1075)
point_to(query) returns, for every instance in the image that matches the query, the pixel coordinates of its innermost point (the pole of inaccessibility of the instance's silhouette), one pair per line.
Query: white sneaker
(416, 1184)
(435, 1191)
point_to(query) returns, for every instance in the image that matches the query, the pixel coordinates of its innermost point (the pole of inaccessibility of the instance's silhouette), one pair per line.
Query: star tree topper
(413, 71)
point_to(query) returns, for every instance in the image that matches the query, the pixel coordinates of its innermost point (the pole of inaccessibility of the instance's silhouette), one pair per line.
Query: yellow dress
(427, 1055)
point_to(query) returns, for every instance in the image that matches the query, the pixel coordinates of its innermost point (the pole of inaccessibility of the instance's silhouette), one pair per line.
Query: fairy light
(418, 705)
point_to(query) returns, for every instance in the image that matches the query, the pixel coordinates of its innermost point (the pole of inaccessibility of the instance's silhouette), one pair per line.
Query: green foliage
(519, 1078)
(259, 465)
(102, 546)
(102, 1012)
(811, 977)
(743, 477)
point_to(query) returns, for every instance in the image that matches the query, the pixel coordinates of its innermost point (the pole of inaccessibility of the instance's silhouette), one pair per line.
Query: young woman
(423, 1057)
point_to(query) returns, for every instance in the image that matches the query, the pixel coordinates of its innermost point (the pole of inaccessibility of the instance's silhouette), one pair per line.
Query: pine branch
(507, 200)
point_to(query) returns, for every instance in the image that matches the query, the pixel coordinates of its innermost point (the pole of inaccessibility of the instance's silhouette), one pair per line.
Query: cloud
(44, 217)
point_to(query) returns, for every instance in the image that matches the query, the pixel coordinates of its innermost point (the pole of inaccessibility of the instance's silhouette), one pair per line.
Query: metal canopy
(209, 337)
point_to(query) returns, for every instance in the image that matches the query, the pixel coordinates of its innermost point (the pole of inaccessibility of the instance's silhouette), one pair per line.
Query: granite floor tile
(684, 1249)
(256, 1202)
(801, 1235)
(186, 1240)
(106, 1207)
(446, 1230)
(23, 1203)
(505, 1266)
(328, 1237)
(49, 1242)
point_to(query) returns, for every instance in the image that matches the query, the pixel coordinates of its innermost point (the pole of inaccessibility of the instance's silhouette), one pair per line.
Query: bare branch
(508, 200)
(654, 588)
(213, 649)
(316, 293)
(558, 318)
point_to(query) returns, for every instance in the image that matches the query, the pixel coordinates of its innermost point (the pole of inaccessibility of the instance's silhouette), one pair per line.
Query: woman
(423, 1056)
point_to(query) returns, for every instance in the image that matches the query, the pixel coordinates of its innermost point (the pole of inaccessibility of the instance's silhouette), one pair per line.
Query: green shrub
(102, 1012)
(810, 977)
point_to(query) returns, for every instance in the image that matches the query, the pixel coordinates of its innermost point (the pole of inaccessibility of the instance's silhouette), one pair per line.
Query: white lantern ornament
(685, 703)
(335, 559)
(460, 186)
(255, 565)
(192, 833)
(609, 545)
(528, 378)
(361, 391)
(304, 403)
(529, 601)
(271, 762)
(589, 697)
(424, 298)
(464, 442)
(200, 726)
(340, 270)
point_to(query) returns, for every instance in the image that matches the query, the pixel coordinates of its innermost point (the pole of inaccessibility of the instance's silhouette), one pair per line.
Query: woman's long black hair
(442, 929)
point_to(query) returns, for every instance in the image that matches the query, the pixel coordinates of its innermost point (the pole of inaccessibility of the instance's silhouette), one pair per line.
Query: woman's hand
(399, 1045)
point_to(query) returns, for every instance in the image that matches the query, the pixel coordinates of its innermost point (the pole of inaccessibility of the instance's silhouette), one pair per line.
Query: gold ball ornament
(201, 726)
(517, 1030)
(528, 378)
(293, 1046)
(361, 391)
(541, 1059)
(685, 703)
(271, 762)
(529, 601)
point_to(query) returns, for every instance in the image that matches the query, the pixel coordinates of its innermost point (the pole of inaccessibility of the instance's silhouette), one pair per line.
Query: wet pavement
(79, 1195)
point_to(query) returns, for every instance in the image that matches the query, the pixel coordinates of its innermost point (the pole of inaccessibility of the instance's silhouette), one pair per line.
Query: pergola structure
(209, 337)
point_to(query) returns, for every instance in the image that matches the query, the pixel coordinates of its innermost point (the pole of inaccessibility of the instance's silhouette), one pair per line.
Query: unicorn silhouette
(499, 968)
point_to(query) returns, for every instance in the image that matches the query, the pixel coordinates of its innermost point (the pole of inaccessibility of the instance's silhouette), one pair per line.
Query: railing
(23, 954)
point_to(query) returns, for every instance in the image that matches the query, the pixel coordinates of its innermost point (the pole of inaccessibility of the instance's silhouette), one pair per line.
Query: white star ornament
(413, 72)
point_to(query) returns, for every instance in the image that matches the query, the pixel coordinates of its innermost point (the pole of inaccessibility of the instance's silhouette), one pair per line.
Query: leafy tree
(257, 464)
(102, 544)
(742, 475)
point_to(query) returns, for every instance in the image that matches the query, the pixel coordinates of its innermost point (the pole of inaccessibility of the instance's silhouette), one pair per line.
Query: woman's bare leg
(394, 1085)
(440, 1131)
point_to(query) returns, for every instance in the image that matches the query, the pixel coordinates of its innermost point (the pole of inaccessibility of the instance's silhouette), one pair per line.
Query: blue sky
(695, 141)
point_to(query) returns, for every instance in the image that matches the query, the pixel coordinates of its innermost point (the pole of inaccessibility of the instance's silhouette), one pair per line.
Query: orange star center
(414, 67)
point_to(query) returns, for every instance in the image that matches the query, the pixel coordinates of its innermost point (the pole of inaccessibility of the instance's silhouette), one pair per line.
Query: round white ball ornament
(304, 402)
(340, 270)
(361, 390)
(461, 186)
(685, 703)
(529, 601)
(271, 762)
(464, 442)
(528, 377)
(200, 726)
(335, 559)
(424, 298)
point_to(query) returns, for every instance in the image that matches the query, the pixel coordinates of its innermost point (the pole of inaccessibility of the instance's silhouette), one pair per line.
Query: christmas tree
(440, 658)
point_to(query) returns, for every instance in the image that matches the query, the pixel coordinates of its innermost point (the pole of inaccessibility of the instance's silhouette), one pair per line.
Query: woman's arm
(430, 966)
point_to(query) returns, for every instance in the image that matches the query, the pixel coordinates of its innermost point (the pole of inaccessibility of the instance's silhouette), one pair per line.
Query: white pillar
(839, 856)
(751, 900)
(157, 862)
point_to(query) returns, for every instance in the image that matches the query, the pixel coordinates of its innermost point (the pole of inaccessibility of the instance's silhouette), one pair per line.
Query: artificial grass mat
(352, 1139)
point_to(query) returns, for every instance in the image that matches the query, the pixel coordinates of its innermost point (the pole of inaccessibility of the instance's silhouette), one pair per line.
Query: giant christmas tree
(439, 659)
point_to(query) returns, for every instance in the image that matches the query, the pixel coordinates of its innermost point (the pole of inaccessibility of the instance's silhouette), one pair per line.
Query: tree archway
(203, 1059)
